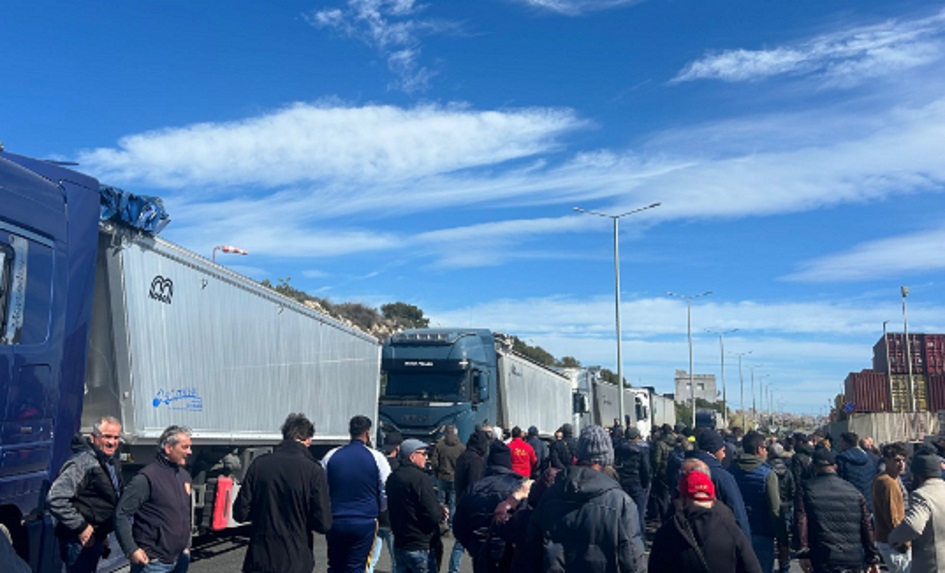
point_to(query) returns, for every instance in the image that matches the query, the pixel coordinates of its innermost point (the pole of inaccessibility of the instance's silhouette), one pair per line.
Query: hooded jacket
(445, 454)
(712, 531)
(632, 462)
(586, 523)
(758, 485)
(471, 463)
(855, 466)
(472, 524)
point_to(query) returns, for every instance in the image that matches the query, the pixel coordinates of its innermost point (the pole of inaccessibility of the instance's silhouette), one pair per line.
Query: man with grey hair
(83, 497)
(158, 500)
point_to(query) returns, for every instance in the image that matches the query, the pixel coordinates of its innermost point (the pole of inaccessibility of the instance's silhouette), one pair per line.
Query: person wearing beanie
(586, 522)
(710, 448)
(702, 536)
(472, 525)
(632, 462)
(924, 524)
(833, 526)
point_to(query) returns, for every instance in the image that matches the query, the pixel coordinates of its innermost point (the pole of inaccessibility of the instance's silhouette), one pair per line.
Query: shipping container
(936, 383)
(933, 350)
(889, 354)
(868, 391)
(886, 427)
(902, 393)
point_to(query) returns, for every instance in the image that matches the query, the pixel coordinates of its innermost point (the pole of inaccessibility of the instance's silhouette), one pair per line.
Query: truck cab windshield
(430, 386)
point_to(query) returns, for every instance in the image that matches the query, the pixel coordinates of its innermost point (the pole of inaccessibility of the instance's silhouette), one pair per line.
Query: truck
(466, 377)
(100, 318)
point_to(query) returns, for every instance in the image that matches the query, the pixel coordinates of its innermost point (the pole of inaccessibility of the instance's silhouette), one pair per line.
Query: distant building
(705, 387)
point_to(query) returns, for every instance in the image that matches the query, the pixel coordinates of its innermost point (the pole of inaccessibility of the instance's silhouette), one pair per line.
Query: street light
(227, 249)
(616, 218)
(741, 384)
(692, 388)
(754, 412)
(722, 348)
(905, 321)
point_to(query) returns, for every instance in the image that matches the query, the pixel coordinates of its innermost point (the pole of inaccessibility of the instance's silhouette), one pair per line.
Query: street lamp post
(722, 349)
(692, 388)
(616, 218)
(905, 321)
(741, 384)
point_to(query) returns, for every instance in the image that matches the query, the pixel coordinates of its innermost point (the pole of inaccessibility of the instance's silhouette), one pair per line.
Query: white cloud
(842, 58)
(393, 28)
(327, 143)
(577, 7)
(891, 257)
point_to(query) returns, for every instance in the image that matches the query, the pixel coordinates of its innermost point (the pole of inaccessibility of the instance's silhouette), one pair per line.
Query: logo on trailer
(162, 289)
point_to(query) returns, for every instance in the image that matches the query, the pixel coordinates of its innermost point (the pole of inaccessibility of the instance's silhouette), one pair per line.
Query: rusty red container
(936, 384)
(889, 354)
(933, 349)
(868, 391)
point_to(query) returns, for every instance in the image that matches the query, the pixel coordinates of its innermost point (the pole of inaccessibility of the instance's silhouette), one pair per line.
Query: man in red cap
(702, 535)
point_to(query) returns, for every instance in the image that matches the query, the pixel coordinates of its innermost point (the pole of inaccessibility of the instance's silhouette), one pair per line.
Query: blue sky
(432, 152)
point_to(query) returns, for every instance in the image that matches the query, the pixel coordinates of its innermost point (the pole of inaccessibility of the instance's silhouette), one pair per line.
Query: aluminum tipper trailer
(178, 339)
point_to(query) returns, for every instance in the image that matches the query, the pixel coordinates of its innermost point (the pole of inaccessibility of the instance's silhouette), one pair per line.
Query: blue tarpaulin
(140, 212)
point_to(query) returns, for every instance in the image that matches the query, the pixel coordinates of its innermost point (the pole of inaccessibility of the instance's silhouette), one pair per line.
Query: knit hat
(710, 441)
(532, 430)
(927, 466)
(595, 447)
(696, 485)
(499, 455)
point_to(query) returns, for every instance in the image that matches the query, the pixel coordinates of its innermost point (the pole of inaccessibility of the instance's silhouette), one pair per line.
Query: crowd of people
(605, 500)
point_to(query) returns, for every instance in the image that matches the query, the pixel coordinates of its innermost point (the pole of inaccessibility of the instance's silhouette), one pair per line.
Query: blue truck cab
(48, 241)
(434, 377)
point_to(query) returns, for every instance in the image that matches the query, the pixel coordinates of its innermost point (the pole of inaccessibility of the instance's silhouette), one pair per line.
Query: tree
(568, 362)
(404, 315)
(611, 377)
(536, 353)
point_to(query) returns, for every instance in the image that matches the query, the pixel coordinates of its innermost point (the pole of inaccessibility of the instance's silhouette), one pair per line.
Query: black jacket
(722, 543)
(786, 486)
(414, 511)
(801, 461)
(833, 524)
(83, 494)
(285, 496)
(562, 451)
(472, 524)
(472, 463)
(585, 523)
(856, 466)
(632, 462)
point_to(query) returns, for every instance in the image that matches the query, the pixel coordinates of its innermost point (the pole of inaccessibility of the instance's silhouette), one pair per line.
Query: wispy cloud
(891, 257)
(576, 7)
(393, 28)
(842, 58)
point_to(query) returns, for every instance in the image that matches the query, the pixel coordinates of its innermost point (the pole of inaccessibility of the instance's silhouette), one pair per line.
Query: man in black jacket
(83, 498)
(157, 499)
(833, 524)
(285, 496)
(415, 514)
(632, 462)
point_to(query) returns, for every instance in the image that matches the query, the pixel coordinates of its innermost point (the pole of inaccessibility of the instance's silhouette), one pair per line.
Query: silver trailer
(177, 339)
(532, 395)
(663, 409)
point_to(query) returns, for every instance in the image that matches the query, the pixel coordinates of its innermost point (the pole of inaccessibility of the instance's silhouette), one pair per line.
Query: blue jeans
(415, 561)
(456, 557)
(764, 551)
(78, 559)
(154, 566)
(446, 495)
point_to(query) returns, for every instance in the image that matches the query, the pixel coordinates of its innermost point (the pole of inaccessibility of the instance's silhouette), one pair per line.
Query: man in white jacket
(924, 524)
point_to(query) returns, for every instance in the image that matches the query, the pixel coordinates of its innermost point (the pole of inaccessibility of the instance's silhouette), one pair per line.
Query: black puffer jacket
(833, 523)
(472, 524)
(711, 531)
(585, 523)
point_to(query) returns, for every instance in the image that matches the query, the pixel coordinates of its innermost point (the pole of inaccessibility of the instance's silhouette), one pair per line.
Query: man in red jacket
(524, 460)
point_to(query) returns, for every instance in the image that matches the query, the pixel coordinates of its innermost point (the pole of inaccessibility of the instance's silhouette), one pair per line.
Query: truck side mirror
(580, 403)
(482, 386)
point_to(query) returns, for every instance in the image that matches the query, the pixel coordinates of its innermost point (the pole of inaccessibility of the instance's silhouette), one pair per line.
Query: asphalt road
(224, 554)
